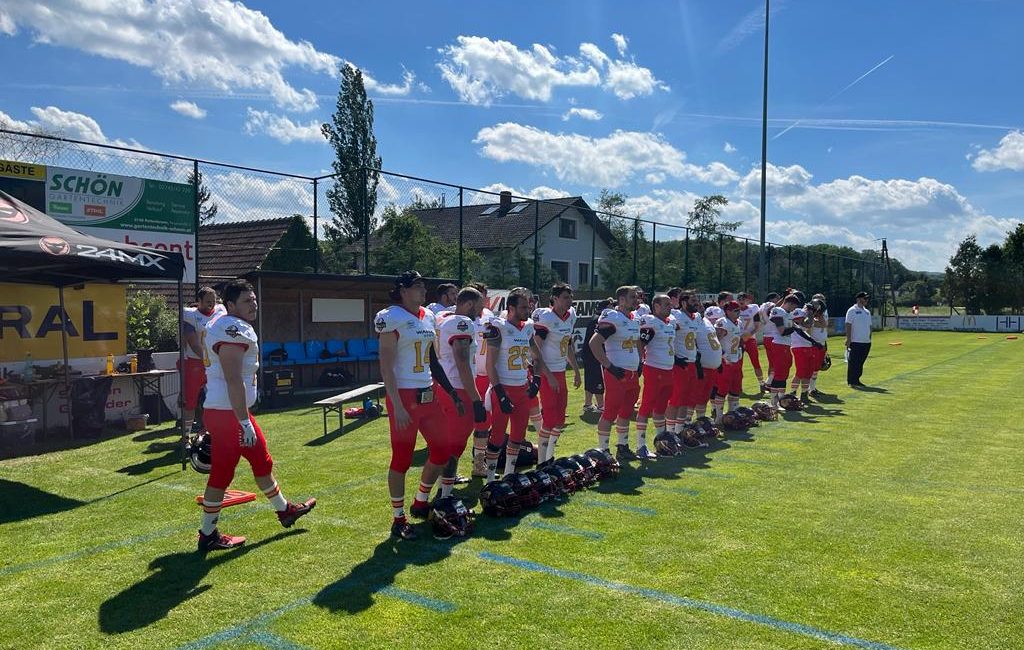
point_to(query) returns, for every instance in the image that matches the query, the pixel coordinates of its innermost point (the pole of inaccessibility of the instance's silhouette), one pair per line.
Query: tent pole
(64, 344)
(181, 377)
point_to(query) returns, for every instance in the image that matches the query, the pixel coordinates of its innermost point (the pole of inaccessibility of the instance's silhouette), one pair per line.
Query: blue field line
(568, 530)
(690, 603)
(255, 628)
(615, 506)
(678, 490)
(163, 532)
(416, 599)
(696, 471)
(272, 641)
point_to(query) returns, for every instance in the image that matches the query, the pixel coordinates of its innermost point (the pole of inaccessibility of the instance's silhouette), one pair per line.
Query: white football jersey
(229, 330)
(707, 344)
(197, 321)
(686, 334)
(712, 314)
(451, 328)
(819, 334)
(766, 310)
(437, 307)
(658, 351)
(621, 344)
(643, 309)
(486, 316)
(795, 340)
(555, 333)
(747, 321)
(787, 322)
(513, 351)
(732, 343)
(416, 334)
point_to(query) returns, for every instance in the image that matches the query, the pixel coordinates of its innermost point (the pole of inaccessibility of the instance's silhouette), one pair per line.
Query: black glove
(616, 371)
(504, 403)
(682, 362)
(459, 406)
(479, 412)
(533, 387)
(818, 345)
(700, 371)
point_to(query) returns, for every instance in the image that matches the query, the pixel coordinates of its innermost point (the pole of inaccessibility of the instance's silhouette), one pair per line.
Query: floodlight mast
(761, 258)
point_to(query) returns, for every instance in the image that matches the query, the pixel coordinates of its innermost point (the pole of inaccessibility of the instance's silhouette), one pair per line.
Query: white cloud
(782, 181)
(582, 113)
(282, 128)
(201, 44)
(188, 109)
(243, 196)
(490, 193)
(621, 43)
(403, 89)
(609, 161)
(728, 148)
(481, 70)
(68, 124)
(1008, 155)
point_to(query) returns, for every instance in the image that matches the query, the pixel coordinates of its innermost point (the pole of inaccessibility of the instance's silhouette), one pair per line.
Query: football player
(554, 327)
(808, 352)
(642, 308)
(510, 345)
(730, 381)
(709, 358)
(194, 321)
(407, 334)
(657, 336)
(772, 300)
(614, 344)
(446, 294)
(593, 377)
(482, 432)
(457, 353)
(781, 317)
(819, 332)
(750, 319)
(232, 359)
(723, 298)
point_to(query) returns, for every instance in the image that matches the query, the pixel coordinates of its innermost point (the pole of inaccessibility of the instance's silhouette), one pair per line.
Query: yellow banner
(30, 321)
(12, 169)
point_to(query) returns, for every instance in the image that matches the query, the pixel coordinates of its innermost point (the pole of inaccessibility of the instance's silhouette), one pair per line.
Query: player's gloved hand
(479, 412)
(459, 405)
(504, 403)
(248, 433)
(533, 387)
(616, 371)
(682, 362)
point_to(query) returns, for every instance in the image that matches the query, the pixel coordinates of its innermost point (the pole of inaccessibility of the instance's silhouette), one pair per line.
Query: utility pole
(762, 261)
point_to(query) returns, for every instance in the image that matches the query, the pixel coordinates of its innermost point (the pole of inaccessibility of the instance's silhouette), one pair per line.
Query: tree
(294, 251)
(705, 217)
(353, 196)
(207, 207)
(963, 276)
(404, 243)
(612, 202)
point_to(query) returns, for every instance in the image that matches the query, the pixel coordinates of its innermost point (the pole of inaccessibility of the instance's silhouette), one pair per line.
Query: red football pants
(460, 427)
(730, 380)
(428, 419)
(750, 347)
(553, 403)
(781, 359)
(620, 395)
(516, 421)
(226, 448)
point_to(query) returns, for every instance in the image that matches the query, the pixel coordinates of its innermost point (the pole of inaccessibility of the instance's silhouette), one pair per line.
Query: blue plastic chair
(337, 348)
(313, 350)
(297, 353)
(357, 348)
(266, 348)
(372, 348)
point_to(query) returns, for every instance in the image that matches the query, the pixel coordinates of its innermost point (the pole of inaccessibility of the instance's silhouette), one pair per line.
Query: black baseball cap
(408, 279)
(862, 294)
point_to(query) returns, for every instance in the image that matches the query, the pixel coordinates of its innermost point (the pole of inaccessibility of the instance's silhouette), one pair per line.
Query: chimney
(505, 202)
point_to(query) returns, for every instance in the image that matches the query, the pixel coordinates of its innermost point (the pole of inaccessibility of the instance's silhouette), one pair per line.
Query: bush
(152, 324)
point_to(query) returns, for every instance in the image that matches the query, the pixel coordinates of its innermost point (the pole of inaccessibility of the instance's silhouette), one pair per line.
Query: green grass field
(877, 519)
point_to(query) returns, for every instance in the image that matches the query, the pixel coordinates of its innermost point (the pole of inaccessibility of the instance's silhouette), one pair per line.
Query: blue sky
(905, 115)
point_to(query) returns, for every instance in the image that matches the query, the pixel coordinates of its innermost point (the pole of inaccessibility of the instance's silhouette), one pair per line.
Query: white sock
(659, 425)
(423, 494)
(719, 410)
(543, 442)
(211, 513)
(511, 455)
(552, 441)
(537, 421)
(447, 483)
(398, 506)
(814, 382)
(602, 440)
(641, 433)
(277, 500)
(623, 434)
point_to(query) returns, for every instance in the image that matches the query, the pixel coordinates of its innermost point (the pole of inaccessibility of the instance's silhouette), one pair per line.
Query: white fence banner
(1010, 324)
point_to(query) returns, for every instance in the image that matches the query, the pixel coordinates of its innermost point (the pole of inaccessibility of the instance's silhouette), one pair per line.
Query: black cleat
(215, 541)
(623, 452)
(402, 529)
(460, 479)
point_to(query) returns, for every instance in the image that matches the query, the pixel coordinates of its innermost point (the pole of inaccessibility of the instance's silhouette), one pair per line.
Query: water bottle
(134, 365)
(110, 364)
(28, 372)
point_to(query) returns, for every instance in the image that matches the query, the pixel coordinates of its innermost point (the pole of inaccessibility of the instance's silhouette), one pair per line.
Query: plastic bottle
(134, 365)
(110, 364)
(28, 372)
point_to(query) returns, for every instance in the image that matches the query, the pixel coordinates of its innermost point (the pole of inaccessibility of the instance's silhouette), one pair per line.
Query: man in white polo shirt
(858, 338)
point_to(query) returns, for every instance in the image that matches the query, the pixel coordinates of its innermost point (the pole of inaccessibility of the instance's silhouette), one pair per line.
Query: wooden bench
(336, 404)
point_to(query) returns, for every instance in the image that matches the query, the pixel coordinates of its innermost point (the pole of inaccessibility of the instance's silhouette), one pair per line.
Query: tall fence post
(593, 251)
(316, 228)
(636, 249)
(460, 240)
(195, 207)
(746, 265)
(721, 262)
(536, 245)
(366, 222)
(654, 253)
(686, 259)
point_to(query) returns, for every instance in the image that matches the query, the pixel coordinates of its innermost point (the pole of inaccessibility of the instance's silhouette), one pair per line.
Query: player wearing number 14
(554, 327)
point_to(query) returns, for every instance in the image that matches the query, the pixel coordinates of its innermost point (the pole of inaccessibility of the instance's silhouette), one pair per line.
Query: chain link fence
(375, 222)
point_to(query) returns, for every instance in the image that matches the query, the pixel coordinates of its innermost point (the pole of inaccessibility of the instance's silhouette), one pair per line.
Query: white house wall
(554, 248)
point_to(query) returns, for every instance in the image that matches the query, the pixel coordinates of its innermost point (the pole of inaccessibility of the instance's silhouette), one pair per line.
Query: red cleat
(291, 514)
(215, 541)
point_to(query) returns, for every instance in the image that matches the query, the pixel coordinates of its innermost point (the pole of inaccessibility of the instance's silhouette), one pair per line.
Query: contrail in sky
(844, 89)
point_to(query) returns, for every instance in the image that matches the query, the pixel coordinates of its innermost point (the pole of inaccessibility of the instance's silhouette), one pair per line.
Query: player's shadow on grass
(825, 398)
(175, 579)
(871, 389)
(166, 432)
(171, 456)
(19, 501)
(347, 428)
